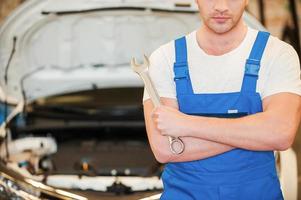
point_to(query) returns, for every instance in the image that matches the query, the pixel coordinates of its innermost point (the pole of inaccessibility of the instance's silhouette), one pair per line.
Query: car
(72, 124)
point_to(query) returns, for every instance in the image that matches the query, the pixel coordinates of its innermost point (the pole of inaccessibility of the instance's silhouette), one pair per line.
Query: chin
(220, 29)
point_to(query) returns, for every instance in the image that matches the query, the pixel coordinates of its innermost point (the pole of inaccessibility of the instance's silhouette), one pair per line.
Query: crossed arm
(272, 129)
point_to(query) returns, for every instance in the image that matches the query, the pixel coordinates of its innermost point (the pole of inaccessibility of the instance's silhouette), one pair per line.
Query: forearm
(273, 129)
(261, 131)
(195, 148)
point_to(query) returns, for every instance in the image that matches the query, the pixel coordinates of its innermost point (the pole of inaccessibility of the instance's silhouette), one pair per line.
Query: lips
(220, 19)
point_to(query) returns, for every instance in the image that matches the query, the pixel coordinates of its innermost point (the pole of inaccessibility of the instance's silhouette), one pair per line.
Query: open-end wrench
(176, 144)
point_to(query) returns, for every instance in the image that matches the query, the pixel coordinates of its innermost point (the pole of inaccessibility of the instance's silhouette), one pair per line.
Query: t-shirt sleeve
(284, 73)
(161, 75)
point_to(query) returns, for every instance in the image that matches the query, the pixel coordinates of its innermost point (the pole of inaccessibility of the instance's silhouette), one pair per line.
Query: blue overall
(238, 174)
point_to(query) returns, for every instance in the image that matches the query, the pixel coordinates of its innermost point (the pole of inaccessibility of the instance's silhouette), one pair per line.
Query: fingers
(154, 113)
(158, 116)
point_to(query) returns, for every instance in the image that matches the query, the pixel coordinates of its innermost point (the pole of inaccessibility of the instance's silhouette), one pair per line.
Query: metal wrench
(176, 144)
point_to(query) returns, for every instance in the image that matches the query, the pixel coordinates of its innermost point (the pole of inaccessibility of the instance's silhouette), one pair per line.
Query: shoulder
(163, 56)
(277, 49)
(167, 50)
(163, 50)
(279, 55)
(281, 68)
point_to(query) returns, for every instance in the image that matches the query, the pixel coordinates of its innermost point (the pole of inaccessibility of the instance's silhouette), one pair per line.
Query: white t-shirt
(279, 71)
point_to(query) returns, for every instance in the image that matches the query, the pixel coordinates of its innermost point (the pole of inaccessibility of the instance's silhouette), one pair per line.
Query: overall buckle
(180, 70)
(252, 67)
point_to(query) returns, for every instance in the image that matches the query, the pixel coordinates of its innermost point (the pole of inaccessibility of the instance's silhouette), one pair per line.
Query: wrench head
(140, 67)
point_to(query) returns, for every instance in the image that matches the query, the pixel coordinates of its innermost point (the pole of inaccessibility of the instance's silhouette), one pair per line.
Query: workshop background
(277, 17)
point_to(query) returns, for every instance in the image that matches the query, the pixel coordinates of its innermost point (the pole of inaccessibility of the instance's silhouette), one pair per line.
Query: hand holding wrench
(176, 144)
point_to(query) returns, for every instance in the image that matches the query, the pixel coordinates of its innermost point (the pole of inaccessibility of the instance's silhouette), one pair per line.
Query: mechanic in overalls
(232, 94)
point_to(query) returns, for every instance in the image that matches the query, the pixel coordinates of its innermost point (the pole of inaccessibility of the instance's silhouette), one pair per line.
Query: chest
(216, 75)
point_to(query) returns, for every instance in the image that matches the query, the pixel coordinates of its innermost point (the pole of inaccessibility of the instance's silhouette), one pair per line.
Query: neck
(220, 43)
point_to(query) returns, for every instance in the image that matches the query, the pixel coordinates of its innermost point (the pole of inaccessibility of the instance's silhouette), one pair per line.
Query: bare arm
(195, 148)
(272, 129)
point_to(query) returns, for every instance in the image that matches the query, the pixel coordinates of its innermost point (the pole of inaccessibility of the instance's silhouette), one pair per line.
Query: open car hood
(51, 47)
(61, 46)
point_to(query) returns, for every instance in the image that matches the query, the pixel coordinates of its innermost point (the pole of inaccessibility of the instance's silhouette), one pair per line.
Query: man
(232, 94)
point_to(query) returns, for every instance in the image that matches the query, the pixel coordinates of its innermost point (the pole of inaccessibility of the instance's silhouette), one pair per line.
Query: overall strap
(253, 62)
(181, 72)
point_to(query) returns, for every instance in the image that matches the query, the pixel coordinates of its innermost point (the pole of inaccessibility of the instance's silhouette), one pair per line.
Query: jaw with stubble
(221, 16)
